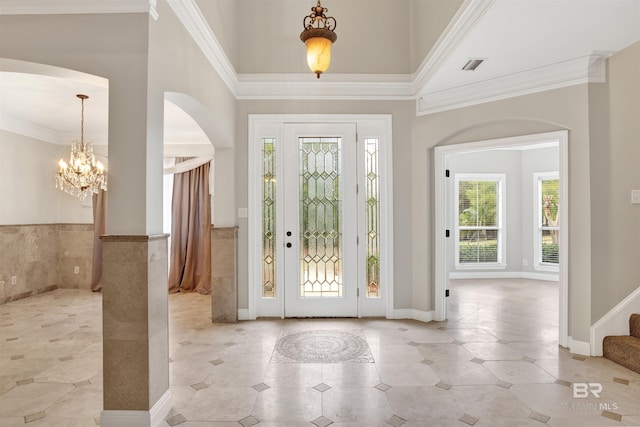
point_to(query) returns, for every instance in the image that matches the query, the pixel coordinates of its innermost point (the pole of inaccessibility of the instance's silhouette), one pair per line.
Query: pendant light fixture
(83, 175)
(318, 36)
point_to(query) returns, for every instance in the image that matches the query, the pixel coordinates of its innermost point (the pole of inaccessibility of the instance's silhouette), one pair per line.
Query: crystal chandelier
(318, 36)
(83, 175)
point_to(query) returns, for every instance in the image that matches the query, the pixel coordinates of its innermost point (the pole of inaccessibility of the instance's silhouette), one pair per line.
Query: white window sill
(549, 268)
(483, 266)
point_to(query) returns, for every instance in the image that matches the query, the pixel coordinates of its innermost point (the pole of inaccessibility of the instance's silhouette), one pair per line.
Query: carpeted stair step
(625, 350)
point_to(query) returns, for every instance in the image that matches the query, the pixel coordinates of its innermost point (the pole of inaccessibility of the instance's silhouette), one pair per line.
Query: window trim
(538, 265)
(501, 179)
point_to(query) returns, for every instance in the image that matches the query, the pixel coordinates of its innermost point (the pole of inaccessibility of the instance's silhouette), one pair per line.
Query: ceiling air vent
(472, 64)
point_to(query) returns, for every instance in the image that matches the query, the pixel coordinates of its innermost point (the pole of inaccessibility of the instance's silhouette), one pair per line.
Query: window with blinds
(479, 233)
(547, 190)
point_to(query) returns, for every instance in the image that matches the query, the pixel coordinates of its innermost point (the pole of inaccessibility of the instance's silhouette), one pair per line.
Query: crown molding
(330, 87)
(60, 7)
(585, 69)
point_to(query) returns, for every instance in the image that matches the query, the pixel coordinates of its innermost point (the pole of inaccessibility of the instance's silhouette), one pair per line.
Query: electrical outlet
(14, 280)
(635, 197)
(76, 270)
(525, 261)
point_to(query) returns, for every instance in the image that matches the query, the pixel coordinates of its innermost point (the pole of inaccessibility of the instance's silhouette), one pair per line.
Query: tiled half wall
(42, 257)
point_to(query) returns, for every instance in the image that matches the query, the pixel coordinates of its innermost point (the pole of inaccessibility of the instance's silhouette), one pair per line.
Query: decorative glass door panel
(321, 217)
(320, 220)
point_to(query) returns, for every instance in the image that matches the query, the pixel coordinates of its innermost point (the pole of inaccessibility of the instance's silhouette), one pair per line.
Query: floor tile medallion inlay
(322, 347)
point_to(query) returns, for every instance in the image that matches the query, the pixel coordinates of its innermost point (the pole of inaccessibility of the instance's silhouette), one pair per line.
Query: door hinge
(358, 292)
(357, 240)
(446, 233)
(357, 189)
(446, 293)
(446, 173)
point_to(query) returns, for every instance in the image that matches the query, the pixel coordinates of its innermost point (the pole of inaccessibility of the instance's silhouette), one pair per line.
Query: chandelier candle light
(318, 36)
(83, 175)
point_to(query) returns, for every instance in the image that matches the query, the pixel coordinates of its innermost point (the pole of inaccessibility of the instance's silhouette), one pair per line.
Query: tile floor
(495, 362)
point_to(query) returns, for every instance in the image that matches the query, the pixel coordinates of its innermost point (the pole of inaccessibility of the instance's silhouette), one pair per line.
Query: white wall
(28, 193)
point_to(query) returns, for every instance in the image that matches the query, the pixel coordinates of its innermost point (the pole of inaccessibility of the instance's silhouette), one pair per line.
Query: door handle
(288, 244)
(288, 234)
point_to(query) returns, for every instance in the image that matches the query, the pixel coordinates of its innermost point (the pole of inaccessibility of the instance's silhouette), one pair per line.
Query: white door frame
(441, 274)
(272, 126)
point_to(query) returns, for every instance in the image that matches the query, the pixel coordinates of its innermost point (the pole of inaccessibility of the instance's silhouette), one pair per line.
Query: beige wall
(615, 170)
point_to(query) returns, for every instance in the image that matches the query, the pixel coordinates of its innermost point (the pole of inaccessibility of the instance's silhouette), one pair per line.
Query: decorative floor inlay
(322, 347)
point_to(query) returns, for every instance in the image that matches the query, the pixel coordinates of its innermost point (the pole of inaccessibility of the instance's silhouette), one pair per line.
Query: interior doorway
(446, 224)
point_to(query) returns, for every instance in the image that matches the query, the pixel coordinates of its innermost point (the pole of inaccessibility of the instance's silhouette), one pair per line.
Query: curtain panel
(190, 260)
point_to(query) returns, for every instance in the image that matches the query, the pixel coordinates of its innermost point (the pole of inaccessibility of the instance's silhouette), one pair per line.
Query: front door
(320, 220)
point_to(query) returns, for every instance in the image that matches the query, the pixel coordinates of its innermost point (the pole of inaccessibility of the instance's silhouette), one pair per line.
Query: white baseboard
(578, 347)
(243, 314)
(503, 275)
(152, 418)
(410, 313)
(615, 322)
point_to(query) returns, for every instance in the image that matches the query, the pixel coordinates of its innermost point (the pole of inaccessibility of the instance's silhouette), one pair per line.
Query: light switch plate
(242, 212)
(635, 197)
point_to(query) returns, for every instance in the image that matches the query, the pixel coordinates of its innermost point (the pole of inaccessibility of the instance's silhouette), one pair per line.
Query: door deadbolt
(289, 244)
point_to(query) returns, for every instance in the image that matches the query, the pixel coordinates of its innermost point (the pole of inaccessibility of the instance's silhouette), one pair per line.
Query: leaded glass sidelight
(268, 218)
(320, 217)
(372, 216)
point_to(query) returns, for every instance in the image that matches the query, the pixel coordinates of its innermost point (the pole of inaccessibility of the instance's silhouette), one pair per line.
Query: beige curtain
(190, 268)
(99, 228)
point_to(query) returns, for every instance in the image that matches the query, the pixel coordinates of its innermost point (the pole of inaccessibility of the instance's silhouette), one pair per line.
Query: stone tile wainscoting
(224, 274)
(42, 257)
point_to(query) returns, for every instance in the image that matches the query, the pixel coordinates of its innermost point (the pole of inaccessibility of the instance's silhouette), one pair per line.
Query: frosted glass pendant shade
(318, 54)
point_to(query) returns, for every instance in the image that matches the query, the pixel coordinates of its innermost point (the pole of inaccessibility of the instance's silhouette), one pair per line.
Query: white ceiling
(529, 45)
(520, 35)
